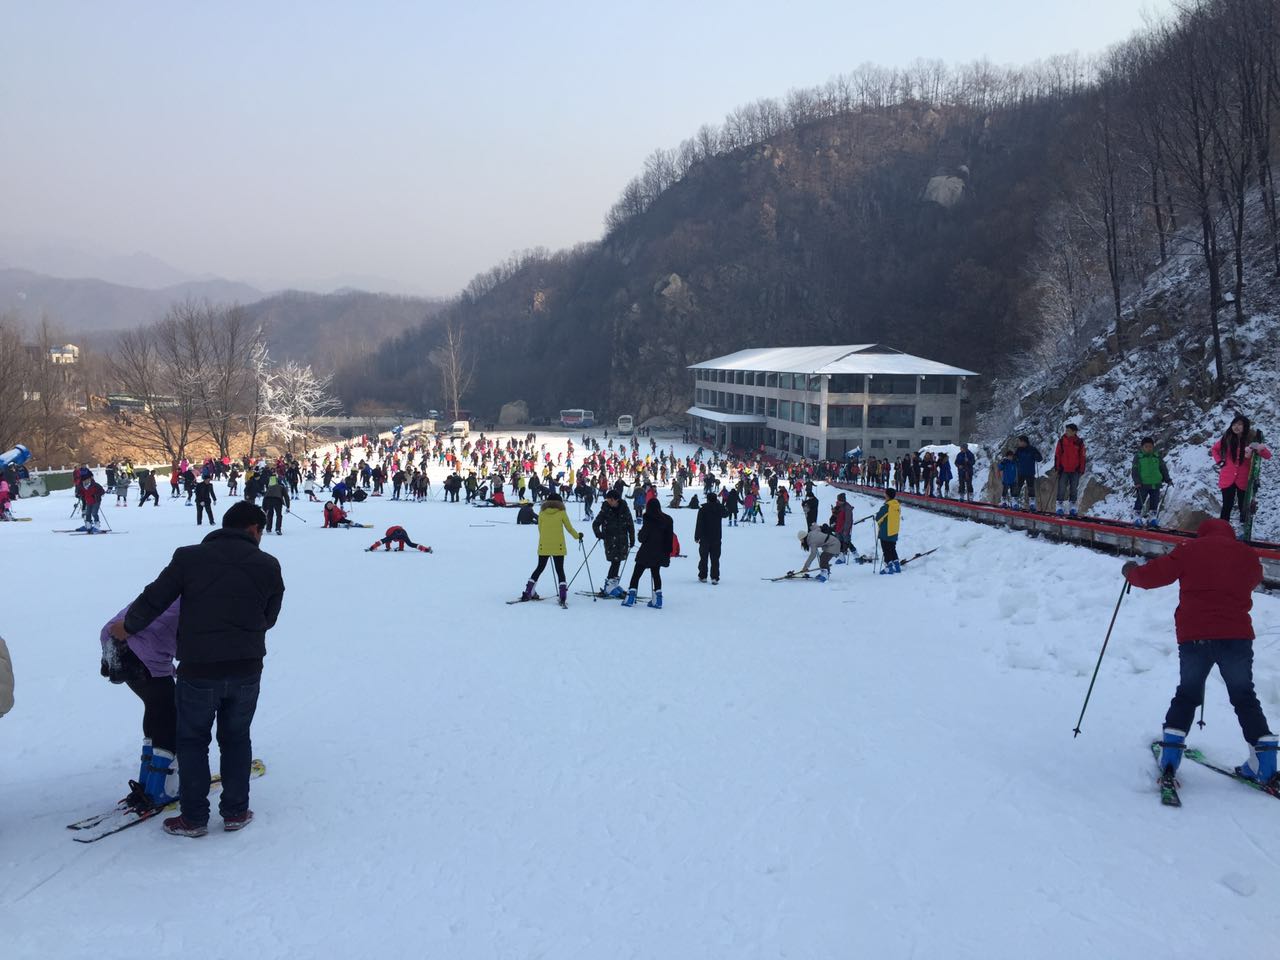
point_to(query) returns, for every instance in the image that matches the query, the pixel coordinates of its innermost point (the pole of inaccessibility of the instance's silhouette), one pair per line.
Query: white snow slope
(876, 767)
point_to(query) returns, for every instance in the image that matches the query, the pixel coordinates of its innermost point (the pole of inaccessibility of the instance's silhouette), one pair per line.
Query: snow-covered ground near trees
(874, 767)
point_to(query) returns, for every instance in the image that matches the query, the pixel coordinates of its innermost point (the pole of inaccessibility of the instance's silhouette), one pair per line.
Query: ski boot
(1061, 511)
(161, 783)
(822, 576)
(630, 599)
(1139, 520)
(1071, 511)
(1261, 765)
(564, 593)
(1173, 743)
(656, 600)
(528, 592)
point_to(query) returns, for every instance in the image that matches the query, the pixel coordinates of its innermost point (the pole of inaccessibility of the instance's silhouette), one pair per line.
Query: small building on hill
(822, 402)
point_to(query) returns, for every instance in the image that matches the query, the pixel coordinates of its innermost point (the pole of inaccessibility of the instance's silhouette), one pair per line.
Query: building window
(797, 444)
(926, 421)
(760, 405)
(847, 383)
(771, 410)
(771, 438)
(722, 376)
(771, 380)
(877, 444)
(891, 384)
(784, 440)
(737, 376)
(841, 415)
(891, 415)
(937, 384)
(811, 448)
(815, 414)
(946, 421)
(797, 411)
(737, 403)
(759, 378)
(785, 381)
(904, 444)
(815, 385)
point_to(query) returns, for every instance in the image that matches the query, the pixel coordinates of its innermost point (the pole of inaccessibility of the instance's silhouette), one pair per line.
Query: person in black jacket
(707, 535)
(205, 498)
(617, 529)
(657, 537)
(231, 594)
(275, 501)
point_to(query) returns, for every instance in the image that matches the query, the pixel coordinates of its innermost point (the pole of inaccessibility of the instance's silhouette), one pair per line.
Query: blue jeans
(1234, 660)
(232, 702)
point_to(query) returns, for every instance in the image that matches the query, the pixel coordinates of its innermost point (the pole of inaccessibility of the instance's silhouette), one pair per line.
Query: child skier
(1008, 468)
(1150, 474)
(888, 519)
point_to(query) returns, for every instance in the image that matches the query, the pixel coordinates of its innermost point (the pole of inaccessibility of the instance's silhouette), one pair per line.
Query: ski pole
(1123, 590)
(1201, 720)
(590, 581)
(294, 515)
(584, 562)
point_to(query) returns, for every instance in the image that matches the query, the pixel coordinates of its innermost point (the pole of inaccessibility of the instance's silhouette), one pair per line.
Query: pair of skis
(1168, 783)
(123, 815)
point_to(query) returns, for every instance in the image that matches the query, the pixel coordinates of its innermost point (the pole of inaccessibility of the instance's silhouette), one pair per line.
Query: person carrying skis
(657, 543)
(205, 498)
(275, 500)
(144, 663)
(823, 545)
(1216, 576)
(397, 535)
(708, 535)
(965, 461)
(553, 521)
(1069, 461)
(1026, 457)
(615, 526)
(90, 494)
(231, 592)
(888, 519)
(1150, 474)
(1234, 454)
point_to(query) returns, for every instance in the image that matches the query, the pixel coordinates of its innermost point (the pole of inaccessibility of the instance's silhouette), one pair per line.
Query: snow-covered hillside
(1159, 389)
(875, 767)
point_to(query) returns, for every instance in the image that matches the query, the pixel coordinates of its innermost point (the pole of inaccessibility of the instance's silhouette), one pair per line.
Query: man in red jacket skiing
(1216, 576)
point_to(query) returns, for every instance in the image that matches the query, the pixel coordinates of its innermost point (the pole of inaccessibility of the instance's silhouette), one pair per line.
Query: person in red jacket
(1068, 460)
(1216, 576)
(398, 535)
(335, 516)
(89, 492)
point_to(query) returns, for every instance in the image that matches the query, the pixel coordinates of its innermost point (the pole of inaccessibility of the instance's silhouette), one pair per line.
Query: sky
(418, 143)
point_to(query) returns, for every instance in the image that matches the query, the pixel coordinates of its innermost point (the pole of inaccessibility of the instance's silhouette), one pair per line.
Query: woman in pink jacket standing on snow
(1234, 456)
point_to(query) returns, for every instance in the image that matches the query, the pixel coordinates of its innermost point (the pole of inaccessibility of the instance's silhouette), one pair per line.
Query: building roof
(752, 418)
(851, 358)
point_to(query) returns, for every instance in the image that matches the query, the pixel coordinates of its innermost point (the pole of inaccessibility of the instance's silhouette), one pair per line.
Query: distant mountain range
(323, 329)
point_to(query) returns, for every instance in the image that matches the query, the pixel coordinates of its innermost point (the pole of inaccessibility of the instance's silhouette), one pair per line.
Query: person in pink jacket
(1234, 455)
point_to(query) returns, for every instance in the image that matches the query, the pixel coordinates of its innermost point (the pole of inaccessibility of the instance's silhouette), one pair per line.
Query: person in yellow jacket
(888, 518)
(553, 521)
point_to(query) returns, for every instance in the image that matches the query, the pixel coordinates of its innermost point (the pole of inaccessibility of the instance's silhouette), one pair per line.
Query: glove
(579, 538)
(1131, 565)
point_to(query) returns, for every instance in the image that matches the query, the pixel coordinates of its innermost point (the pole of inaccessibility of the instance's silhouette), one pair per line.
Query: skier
(1216, 576)
(144, 662)
(782, 498)
(1069, 461)
(1149, 474)
(90, 496)
(1234, 456)
(398, 535)
(122, 489)
(708, 534)
(275, 500)
(1026, 457)
(965, 461)
(309, 488)
(657, 543)
(888, 519)
(810, 504)
(335, 516)
(842, 523)
(1008, 468)
(553, 521)
(204, 498)
(615, 526)
(231, 595)
(823, 545)
(525, 515)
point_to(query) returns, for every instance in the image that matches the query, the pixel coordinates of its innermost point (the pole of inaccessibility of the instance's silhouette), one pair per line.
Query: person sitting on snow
(335, 516)
(400, 536)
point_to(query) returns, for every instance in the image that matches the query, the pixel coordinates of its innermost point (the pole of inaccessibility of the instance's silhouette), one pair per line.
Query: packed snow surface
(881, 766)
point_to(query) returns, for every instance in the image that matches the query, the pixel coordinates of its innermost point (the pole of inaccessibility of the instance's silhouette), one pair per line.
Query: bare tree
(297, 395)
(456, 364)
(15, 403)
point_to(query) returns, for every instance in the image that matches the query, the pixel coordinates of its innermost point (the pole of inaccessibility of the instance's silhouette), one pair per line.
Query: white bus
(626, 425)
(577, 418)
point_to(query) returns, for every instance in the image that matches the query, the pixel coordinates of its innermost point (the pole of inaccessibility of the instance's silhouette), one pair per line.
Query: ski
(789, 576)
(1250, 506)
(919, 555)
(604, 596)
(1272, 788)
(14, 519)
(92, 829)
(1166, 781)
(89, 533)
(524, 600)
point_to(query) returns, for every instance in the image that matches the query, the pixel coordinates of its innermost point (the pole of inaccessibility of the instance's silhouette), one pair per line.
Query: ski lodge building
(822, 402)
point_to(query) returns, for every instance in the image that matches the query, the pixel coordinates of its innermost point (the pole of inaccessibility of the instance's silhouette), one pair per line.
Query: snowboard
(122, 817)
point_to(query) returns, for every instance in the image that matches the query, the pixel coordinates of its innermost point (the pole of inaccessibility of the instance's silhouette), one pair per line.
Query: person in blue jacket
(1027, 456)
(944, 475)
(964, 471)
(1008, 468)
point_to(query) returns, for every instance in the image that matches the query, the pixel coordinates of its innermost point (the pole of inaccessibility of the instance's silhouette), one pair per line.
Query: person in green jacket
(553, 521)
(1150, 474)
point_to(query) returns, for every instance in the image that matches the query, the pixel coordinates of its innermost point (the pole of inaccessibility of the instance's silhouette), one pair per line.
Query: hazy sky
(293, 141)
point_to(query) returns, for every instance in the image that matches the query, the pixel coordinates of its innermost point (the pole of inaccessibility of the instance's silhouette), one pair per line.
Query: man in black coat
(231, 593)
(615, 526)
(707, 535)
